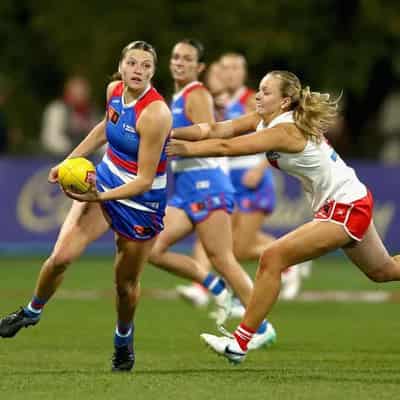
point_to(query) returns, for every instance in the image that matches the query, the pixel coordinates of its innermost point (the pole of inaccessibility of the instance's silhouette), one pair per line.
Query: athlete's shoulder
(115, 88)
(195, 88)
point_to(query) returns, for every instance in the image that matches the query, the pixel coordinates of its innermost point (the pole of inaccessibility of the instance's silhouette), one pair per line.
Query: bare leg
(218, 246)
(84, 223)
(177, 226)
(200, 255)
(130, 259)
(371, 256)
(248, 239)
(307, 242)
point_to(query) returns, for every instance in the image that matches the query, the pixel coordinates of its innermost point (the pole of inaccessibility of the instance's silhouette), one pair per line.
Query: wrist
(204, 130)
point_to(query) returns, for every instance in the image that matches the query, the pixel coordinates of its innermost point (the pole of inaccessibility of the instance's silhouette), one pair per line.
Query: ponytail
(315, 113)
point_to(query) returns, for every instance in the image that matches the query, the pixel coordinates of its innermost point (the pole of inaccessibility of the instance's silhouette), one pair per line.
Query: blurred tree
(334, 44)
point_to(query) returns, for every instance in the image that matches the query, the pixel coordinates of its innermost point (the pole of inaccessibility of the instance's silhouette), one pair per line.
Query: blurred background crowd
(57, 60)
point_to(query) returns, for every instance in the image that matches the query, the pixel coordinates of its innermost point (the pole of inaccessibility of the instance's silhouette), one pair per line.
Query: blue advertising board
(32, 210)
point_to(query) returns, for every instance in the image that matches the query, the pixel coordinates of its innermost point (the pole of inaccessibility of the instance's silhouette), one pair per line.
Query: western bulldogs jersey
(322, 172)
(180, 119)
(120, 162)
(234, 109)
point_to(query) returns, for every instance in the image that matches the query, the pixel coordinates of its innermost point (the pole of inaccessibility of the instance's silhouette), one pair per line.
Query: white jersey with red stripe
(323, 174)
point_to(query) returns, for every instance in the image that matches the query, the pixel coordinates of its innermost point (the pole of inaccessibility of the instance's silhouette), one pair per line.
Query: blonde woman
(290, 122)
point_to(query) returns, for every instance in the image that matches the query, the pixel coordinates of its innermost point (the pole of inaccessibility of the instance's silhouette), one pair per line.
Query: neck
(131, 94)
(232, 92)
(269, 117)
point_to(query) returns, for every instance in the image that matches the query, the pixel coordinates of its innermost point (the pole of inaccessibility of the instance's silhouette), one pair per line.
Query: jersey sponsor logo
(152, 204)
(142, 230)
(129, 128)
(202, 184)
(197, 207)
(113, 115)
(115, 101)
(177, 110)
(334, 155)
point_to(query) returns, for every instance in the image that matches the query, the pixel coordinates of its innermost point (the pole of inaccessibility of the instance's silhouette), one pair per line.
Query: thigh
(309, 241)
(370, 253)
(85, 222)
(177, 225)
(215, 232)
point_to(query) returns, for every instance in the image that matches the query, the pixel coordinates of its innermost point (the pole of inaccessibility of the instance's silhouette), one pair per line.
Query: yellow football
(77, 175)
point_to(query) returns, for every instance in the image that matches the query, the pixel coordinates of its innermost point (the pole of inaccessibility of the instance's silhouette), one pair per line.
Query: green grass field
(325, 350)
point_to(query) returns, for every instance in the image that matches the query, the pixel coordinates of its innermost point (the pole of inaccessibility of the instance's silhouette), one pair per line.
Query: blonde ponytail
(313, 112)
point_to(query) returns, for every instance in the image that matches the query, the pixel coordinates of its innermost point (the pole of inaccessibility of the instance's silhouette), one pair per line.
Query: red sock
(243, 335)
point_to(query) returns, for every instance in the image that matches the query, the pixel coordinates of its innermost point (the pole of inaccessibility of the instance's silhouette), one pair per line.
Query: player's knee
(59, 261)
(271, 260)
(220, 259)
(127, 288)
(380, 275)
(156, 253)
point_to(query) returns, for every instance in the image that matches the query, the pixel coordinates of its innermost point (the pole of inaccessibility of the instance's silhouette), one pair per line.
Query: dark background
(343, 45)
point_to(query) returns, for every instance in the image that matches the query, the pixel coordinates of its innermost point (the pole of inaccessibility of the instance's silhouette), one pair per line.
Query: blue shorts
(131, 223)
(262, 198)
(200, 208)
(137, 218)
(201, 192)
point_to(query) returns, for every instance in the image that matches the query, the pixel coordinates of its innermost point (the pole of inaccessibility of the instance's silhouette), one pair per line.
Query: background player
(203, 196)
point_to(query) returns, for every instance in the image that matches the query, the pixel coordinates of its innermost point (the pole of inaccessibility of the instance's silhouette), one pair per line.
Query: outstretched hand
(178, 148)
(92, 195)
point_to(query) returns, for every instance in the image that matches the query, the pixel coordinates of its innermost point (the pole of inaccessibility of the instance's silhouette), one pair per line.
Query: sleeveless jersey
(120, 162)
(180, 119)
(234, 109)
(323, 174)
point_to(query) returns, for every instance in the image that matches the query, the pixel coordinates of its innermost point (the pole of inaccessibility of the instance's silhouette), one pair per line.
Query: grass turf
(325, 350)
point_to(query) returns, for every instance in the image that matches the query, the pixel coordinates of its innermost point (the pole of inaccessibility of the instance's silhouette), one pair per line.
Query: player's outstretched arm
(269, 139)
(224, 129)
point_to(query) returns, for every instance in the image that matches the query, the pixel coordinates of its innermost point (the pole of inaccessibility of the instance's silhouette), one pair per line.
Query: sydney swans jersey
(180, 119)
(322, 172)
(235, 109)
(120, 163)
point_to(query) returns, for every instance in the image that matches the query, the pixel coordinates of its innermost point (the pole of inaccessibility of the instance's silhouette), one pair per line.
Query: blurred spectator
(66, 121)
(389, 127)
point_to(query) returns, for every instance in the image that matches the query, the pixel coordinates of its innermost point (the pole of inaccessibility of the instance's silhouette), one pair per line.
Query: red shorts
(355, 217)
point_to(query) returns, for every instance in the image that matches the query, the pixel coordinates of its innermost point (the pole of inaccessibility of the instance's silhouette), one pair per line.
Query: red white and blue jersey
(201, 186)
(237, 105)
(180, 120)
(120, 162)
